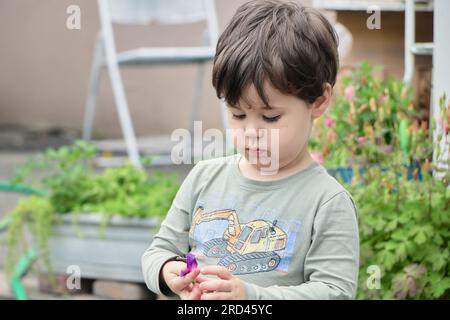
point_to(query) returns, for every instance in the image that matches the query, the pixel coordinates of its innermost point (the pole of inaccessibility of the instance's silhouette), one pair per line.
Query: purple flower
(191, 262)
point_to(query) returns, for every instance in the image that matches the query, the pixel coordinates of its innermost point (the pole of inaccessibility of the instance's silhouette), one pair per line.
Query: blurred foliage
(404, 217)
(365, 120)
(72, 185)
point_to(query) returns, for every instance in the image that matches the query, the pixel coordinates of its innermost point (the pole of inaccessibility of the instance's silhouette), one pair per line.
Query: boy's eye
(239, 116)
(271, 119)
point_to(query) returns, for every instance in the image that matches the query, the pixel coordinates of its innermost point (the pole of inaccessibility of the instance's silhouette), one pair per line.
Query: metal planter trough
(76, 244)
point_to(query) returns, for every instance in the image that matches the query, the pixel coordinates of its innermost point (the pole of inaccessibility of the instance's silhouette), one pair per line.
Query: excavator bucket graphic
(243, 248)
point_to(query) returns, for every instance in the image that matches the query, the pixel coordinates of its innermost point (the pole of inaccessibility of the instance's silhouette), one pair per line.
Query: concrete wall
(44, 70)
(44, 67)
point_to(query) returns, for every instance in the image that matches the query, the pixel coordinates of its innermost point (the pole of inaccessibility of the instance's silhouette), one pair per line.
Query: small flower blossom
(329, 122)
(191, 262)
(317, 157)
(361, 140)
(350, 92)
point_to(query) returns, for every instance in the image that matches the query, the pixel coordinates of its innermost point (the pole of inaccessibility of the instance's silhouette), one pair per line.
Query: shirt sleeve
(332, 261)
(172, 238)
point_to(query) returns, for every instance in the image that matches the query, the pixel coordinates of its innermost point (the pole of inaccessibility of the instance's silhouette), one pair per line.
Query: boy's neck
(301, 162)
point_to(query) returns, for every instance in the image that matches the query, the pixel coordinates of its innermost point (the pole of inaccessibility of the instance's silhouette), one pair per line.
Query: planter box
(76, 242)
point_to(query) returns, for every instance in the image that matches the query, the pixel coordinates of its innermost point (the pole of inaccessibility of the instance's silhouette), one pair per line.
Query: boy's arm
(332, 262)
(172, 239)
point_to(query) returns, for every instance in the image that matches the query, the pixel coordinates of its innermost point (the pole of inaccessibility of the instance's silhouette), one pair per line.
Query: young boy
(258, 232)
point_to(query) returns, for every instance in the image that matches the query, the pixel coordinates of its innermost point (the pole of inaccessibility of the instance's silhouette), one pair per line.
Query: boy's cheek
(238, 141)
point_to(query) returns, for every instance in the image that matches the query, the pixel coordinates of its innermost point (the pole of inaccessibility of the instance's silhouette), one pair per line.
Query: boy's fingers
(216, 285)
(188, 278)
(196, 293)
(216, 296)
(180, 283)
(201, 279)
(219, 271)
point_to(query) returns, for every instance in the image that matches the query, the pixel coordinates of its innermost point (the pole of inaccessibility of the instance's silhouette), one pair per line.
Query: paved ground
(30, 283)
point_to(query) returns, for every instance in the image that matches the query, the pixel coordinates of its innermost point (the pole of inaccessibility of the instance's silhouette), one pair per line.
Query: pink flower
(317, 156)
(361, 140)
(382, 98)
(350, 92)
(329, 122)
(444, 125)
(191, 262)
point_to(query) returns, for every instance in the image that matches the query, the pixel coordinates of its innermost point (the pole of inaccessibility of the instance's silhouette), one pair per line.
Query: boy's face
(280, 133)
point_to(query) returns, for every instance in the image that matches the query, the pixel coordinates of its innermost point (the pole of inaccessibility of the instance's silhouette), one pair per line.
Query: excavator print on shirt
(243, 247)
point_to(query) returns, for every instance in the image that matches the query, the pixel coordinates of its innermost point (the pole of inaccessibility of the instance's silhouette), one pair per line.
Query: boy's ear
(321, 104)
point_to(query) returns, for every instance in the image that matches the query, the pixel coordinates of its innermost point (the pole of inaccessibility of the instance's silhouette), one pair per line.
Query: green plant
(405, 224)
(404, 217)
(71, 184)
(36, 214)
(368, 113)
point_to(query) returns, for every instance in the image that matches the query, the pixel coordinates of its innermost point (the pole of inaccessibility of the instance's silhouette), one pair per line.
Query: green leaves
(405, 223)
(421, 233)
(387, 259)
(370, 116)
(404, 211)
(37, 214)
(437, 286)
(74, 185)
(404, 240)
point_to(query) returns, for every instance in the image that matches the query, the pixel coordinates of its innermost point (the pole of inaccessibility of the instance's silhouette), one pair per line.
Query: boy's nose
(253, 133)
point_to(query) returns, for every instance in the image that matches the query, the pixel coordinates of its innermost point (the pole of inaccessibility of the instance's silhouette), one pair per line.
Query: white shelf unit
(363, 5)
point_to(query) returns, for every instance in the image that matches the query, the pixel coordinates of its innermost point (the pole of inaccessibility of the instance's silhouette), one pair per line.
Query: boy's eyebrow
(268, 107)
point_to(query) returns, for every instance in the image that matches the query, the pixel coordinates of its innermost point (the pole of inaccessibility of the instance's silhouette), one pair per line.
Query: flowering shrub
(368, 113)
(405, 225)
(401, 191)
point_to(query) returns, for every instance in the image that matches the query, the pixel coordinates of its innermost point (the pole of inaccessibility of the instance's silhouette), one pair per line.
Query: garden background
(385, 138)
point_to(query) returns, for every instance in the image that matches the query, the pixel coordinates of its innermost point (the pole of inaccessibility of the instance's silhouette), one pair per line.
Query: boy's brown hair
(293, 47)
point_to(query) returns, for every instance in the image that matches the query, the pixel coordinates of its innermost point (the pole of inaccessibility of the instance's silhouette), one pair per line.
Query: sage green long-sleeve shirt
(293, 238)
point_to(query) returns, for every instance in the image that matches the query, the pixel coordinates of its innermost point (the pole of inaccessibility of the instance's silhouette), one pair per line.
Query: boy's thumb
(180, 283)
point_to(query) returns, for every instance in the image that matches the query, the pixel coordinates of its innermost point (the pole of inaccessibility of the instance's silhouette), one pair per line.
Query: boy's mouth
(255, 150)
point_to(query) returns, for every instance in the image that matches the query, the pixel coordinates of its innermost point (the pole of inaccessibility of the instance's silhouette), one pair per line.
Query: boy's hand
(227, 287)
(182, 286)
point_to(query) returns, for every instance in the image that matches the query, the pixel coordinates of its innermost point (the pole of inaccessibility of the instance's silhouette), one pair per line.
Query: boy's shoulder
(331, 190)
(326, 182)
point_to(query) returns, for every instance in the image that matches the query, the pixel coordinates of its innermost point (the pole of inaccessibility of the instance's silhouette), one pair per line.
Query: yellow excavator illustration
(244, 248)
